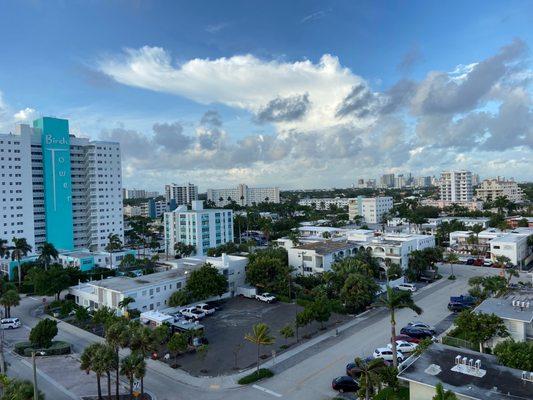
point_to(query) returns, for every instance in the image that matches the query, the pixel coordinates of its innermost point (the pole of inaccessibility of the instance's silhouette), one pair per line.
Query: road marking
(267, 391)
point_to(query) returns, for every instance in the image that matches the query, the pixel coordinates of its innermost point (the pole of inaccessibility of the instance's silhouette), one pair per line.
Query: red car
(478, 262)
(406, 338)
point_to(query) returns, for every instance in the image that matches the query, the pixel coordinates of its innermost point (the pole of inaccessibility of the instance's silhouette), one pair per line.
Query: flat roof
(327, 247)
(503, 307)
(499, 382)
(124, 283)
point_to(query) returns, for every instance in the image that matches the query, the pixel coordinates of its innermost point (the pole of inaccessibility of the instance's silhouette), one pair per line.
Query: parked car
(419, 333)
(470, 261)
(352, 370)
(465, 299)
(192, 312)
(478, 262)
(10, 323)
(345, 384)
(487, 263)
(407, 287)
(386, 354)
(205, 308)
(266, 297)
(404, 347)
(419, 324)
(407, 338)
(456, 307)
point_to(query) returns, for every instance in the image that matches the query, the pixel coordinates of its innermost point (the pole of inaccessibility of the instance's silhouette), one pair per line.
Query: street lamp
(35, 390)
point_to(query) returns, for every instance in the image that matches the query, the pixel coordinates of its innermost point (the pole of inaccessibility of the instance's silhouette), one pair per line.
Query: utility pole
(2, 360)
(35, 391)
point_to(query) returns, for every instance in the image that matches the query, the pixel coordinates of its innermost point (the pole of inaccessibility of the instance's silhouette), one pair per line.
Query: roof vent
(466, 366)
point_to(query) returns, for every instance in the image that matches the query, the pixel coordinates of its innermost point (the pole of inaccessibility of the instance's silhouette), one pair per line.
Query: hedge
(56, 349)
(255, 376)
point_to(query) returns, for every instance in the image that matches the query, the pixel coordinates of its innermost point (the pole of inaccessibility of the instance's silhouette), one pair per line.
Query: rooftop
(327, 247)
(504, 308)
(124, 283)
(490, 382)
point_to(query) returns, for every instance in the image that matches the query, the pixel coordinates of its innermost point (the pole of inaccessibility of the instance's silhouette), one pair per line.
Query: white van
(10, 323)
(407, 286)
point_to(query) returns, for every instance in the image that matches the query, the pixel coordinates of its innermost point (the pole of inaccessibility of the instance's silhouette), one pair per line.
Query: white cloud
(25, 115)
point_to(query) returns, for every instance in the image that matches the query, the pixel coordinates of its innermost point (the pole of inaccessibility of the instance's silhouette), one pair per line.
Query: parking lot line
(267, 391)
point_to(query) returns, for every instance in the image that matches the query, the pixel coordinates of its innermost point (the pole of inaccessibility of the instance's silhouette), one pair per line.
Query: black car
(454, 306)
(470, 261)
(419, 333)
(352, 370)
(345, 384)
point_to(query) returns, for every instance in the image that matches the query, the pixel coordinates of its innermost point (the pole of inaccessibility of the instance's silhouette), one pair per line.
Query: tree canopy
(206, 282)
(43, 333)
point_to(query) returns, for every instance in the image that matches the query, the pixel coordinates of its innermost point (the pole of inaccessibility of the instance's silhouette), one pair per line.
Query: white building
(371, 209)
(58, 188)
(199, 227)
(325, 203)
(490, 189)
(243, 195)
(456, 186)
(150, 209)
(150, 292)
(181, 194)
(138, 194)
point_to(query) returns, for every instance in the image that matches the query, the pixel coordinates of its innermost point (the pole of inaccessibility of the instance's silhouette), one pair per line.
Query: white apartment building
(150, 209)
(243, 195)
(150, 292)
(490, 189)
(456, 186)
(199, 227)
(325, 203)
(138, 194)
(371, 209)
(181, 194)
(58, 188)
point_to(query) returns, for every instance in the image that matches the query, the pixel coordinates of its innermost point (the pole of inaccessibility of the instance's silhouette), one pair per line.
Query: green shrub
(57, 348)
(256, 376)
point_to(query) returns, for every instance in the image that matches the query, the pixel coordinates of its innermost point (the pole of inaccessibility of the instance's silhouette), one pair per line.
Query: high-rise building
(490, 189)
(181, 194)
(456, 186)
(198, 227)
(387, 181)
(371, 209)
(423, 181)
(58, 188)
(243, 195)
(138, 194)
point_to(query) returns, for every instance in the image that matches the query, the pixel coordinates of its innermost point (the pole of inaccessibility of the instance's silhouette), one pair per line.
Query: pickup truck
(266, 297)
(464, 299)
(192, 312)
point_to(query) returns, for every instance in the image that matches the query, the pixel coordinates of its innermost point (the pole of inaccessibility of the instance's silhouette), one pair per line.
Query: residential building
(468, 374)
(516, 311)
(181, 194)
(198, 227)
(325, 203)
(243, 195)
(371, 209)
(387, 181)
(490, 189)
(317, 257)
(515, 221)
(473, 205)
(87, 260)
(138, 194)
(423, 181)
(149, 209)
(150, 292)
(456, 186)
(59, 188)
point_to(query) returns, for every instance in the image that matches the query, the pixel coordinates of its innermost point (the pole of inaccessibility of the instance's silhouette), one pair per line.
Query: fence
(456, 342)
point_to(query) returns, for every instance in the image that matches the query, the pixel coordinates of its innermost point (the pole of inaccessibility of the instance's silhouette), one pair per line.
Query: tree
(4, 248)
(178, 298)
(485, 286)
(43, 333)
(394, 271)
(268, 269)
(260, 336)
(442, 394)
(160, 333)
(139, 372)
(129, 368)
(104, 363)
(513, 354)
(125, 302)
(370, 377)
(206, 282)
(358, 292)
(117, 335)
(177, 344)
(20, 249)
(128, 260)
(9, 299)
(49, 282)
(182, 250)
(287, 332)
(15, 389)
(89, 361)
(48, 253)
(393, 301)
(321, 309)
(113, 244)
(500, 203)
(452, 258)
(479, 327)
(141, 340)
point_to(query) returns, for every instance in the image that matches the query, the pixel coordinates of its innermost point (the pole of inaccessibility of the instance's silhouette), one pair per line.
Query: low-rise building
(325, 203)
(87, 260)
(371, 209)
(198, 227)
(243, 195)
(317, 257)
(490, 189)
(149, 209)
(468, 374)
(472, 205)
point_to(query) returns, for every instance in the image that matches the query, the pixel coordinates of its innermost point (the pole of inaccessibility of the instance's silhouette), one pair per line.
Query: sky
(295, 94)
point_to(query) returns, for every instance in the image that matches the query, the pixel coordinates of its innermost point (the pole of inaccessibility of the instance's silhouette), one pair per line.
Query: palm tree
(4, 249)
(502, 261)
(90, 362)
(128, 368)
(141, 340)
(500, 203)
(260, 336)
(140, 372)
(15, 389)
(48, 253)
(370, 377)
(451, 259)
(20, 249)
(477, 228)
(105, 363)
(117, 336)
(9, 299)
(396, 300)
(442, 394)
(125, 302)
(113, 244)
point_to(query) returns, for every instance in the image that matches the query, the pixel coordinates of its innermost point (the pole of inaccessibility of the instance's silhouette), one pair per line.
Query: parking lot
(228, 351)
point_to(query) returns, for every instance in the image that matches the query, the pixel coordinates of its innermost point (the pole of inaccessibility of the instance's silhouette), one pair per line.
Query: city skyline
(212, 99)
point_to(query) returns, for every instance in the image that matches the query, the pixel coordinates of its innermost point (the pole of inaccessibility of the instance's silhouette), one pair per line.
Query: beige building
(490, 189)
(456, 186)
(243, 195)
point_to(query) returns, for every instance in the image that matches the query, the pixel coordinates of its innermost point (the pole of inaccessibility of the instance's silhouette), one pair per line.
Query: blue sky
(71, 59)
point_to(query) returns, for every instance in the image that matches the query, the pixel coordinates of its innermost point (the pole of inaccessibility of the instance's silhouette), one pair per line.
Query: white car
(205, 308)
(10, 323)
(419, 324)
(386, 354)
(403, 346)
(266, 297)
(487, 263)
(407, 287)
(192, 312)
